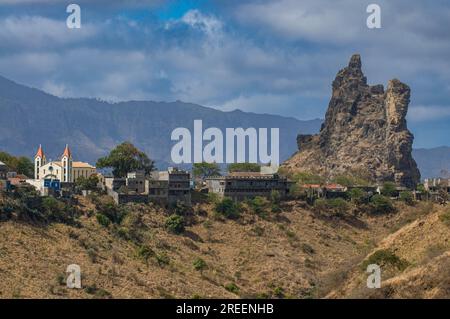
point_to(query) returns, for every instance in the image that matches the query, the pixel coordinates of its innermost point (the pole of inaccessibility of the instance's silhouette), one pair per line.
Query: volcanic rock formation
(364, 132)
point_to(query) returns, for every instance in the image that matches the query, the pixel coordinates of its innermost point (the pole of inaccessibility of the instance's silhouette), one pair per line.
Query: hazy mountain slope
(93, 127)
(434, 162)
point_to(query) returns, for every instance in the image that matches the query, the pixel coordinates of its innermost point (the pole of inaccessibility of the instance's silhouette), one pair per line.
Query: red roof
(40, 152)
(334, 186)
(67, 151)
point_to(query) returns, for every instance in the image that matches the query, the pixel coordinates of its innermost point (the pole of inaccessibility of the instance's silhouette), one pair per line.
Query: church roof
(67, 152)
(40, 152)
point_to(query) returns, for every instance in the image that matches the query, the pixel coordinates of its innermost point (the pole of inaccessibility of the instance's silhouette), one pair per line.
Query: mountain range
(29, 117)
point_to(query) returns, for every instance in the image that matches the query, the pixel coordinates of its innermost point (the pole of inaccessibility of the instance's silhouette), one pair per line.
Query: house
(246, 185)
(56, 175)
(171, 186)
(164, 187)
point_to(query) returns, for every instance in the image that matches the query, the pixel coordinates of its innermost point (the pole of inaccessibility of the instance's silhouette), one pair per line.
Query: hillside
(297, 253)
(93, 127)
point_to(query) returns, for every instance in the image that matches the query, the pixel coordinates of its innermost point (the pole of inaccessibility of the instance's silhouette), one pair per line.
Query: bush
(232, 287)
(357, 195)
(337, 206)
(228, 208)
(407, 197)
(380, 204)
(175, 224)
(389, 189)
(259, 206)
(145, 252)
(103, 220)
(199, 264)
(384, 257)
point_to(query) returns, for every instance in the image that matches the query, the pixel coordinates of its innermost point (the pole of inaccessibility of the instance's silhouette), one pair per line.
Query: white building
(65, 170)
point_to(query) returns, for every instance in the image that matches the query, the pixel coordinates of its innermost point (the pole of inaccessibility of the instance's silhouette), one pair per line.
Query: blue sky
(273, 56)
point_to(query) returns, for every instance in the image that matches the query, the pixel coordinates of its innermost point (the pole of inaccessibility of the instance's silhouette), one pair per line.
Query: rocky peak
(364, 132)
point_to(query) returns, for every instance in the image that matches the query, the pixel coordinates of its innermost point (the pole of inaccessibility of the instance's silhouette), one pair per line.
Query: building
(65, 170)
(164, 187)
(57, 175)
(173, 185)
(246, 185)
(3, 171)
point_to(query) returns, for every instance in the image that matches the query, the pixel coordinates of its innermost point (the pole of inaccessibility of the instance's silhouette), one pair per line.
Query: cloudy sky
(265, 56)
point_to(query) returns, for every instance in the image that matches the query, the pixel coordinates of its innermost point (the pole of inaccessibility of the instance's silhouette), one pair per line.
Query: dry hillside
(296, 253)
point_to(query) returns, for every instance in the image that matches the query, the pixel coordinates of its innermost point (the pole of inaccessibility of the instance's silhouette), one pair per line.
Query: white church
(65, 170)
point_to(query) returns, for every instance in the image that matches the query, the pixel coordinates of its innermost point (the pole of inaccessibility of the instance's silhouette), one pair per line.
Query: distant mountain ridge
(433, 162)
(91, 127)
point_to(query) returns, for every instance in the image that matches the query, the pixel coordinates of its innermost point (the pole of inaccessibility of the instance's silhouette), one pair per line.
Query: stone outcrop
(364, 132)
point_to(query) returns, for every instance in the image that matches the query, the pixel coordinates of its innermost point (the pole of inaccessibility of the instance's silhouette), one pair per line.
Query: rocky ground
(293, 254)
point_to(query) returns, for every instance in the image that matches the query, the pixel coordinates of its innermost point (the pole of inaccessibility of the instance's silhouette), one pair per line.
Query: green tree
(407, 197)
(175, 224)
(228, 208)
(357, 195)
(389, 189)
(89, 183)
(21, 165)
(203, 170)
(381, 204)
(126, 158)
(244, 167)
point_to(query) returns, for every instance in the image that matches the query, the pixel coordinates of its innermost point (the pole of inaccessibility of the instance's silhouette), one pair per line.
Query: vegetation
(244, 167)
(175, 224)
(336, 206)
(351, 180)
(203, 170)
(228, 208)
(389, 189)
(407, 197)
(357, 196)
(199, 264)
(259, 206)
(385, 257)
(89, 184)
(126, 158)
(232, 287)
(445, 217)
(21, 165)
(103, 220)
(380, 204)
(308, 178)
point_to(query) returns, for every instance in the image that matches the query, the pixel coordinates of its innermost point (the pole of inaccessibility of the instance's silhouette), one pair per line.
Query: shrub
(103, 220)
(357, 195)
(337, 206)
(389, 189)
(175, 224)
(162, 259)
(199, 264)
(384, 257)
(407, 197)
(380, 204)
(145, 252)
(259, 206)
(232, 287)
(228, 208)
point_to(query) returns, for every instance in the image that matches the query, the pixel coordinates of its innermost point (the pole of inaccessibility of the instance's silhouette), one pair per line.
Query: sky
(272, 56)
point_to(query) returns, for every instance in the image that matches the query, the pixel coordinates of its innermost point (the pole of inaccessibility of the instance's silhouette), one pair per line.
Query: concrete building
(241, 186)
(164, 187)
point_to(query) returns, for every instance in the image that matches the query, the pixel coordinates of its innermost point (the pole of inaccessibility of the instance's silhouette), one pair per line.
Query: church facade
(65, 170)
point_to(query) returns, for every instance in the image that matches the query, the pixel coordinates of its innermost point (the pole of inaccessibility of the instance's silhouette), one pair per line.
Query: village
(67, 177)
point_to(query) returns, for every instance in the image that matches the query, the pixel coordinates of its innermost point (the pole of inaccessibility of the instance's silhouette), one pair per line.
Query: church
(65, 170)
